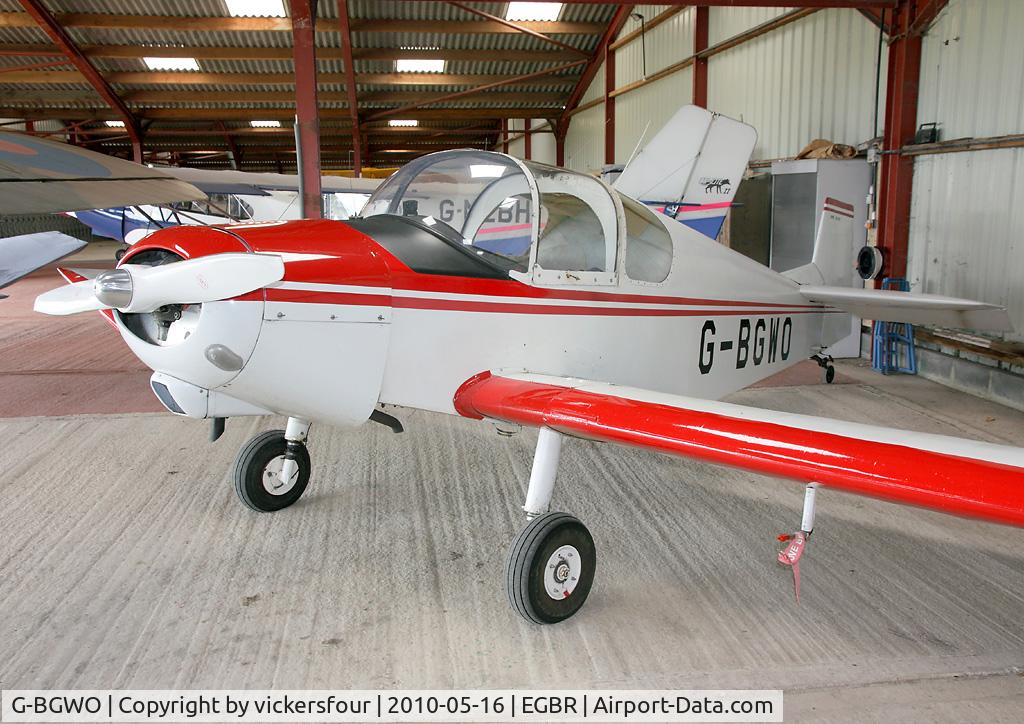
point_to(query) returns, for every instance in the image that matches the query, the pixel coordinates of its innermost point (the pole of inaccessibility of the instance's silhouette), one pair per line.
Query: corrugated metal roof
(488, 65)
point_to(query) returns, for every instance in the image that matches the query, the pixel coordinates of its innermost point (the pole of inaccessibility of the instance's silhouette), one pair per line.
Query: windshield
(477, 199)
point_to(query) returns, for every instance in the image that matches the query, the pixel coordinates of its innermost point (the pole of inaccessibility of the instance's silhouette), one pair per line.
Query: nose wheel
(550, 568)
(271, 472)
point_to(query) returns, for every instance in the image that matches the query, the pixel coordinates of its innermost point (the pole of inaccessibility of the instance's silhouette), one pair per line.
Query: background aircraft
(231, 197)
(40, 176)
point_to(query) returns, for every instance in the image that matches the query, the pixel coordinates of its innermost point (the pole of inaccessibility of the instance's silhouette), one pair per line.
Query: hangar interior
(127, 562)
(217, 85)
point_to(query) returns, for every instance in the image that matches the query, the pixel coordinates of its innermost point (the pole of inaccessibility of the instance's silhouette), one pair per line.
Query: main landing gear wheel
(257, 472)
(550, 568)
(830, 375)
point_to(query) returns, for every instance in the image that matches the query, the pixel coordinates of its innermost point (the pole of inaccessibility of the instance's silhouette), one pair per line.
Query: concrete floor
(127, 562)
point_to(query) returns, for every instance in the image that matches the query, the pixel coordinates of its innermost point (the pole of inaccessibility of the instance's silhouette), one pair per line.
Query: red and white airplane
(480, 285)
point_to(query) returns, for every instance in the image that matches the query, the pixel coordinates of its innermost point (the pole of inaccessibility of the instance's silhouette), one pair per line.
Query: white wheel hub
(562, 572)
(273, 481)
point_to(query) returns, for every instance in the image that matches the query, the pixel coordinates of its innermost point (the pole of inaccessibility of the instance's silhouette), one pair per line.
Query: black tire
(830, 375)
(528, 558)
(250, 467)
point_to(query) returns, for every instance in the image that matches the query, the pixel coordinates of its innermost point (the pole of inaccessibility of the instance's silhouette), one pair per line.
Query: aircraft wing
(22, 255)
(258, 184)
(893, 306)
(39, 176)
(951, 475)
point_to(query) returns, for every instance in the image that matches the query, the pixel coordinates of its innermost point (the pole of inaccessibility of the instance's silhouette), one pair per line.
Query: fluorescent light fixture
(265, 124)
(533, 11)
(255, 8)
(419, 65)
(396, 123)
(115, 124)
(485, 170)
(171, 63)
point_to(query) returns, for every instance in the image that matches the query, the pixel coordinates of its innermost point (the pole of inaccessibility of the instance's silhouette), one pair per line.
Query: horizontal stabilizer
(892, 306)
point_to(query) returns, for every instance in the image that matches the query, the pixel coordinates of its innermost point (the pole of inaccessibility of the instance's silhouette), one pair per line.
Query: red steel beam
(876, 17)
(350, 86)
(62, 40)
(700, 63)
(520, 28)
(926, 12)
(527, 139)
(504, 135)
(590, 70)
(303, 14)
(897, 174)
(33, 66)
(236, 157)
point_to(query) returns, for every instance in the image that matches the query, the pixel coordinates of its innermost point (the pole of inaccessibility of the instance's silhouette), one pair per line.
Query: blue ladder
(893, 349)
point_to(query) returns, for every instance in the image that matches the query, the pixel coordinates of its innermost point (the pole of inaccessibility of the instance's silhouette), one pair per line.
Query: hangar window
(648, 244)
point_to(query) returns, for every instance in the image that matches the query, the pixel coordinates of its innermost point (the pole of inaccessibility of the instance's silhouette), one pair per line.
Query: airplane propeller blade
(139, 288)
(70, 299)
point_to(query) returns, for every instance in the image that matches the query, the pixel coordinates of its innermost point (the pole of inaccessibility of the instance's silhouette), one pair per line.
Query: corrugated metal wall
(641, 113)
(967, 228)
(967, 216)
(813, 78)
(971, 61)
(584, 143)
(516, 148)
(724, 23)
(543, 145)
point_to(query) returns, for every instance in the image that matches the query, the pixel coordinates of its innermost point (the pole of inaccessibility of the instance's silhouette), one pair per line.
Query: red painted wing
(952, 475)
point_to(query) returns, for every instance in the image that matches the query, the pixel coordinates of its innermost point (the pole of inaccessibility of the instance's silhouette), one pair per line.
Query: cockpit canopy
(559, 226)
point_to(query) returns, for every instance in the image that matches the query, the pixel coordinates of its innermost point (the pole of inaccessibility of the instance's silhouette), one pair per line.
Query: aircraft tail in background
(692, 168)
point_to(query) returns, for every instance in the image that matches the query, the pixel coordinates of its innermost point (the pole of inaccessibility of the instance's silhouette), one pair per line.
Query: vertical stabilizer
(692, 168)
(831, 262)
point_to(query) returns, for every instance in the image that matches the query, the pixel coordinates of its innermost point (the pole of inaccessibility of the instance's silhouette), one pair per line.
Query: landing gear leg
(272, 471)
(551, 563)
(825, 362)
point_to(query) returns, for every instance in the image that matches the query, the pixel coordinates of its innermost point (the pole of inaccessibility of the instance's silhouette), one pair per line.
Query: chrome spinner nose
(114, 288)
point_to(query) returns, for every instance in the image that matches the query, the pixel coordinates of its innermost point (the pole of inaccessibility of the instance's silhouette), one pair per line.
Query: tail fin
(692, 168)
(831, 264)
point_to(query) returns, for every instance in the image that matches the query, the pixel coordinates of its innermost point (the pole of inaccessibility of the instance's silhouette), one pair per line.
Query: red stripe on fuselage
(468, 305)
(414, 282)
